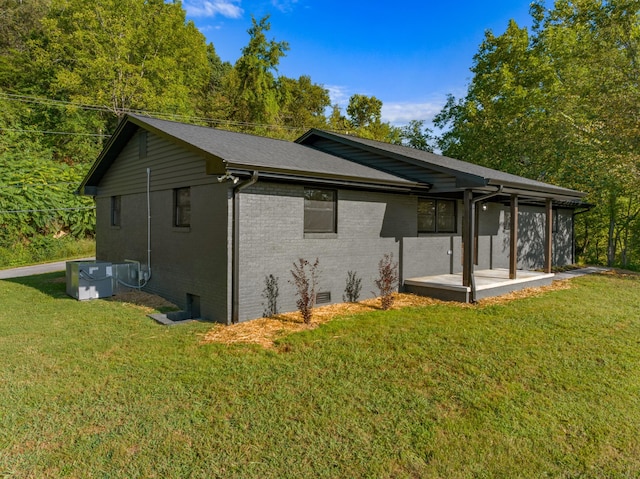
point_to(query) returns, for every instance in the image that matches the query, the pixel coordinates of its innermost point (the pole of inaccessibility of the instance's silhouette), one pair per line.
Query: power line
(80, 208)
(29, 185)
(157, 114)
(51, 101)
(45, 132)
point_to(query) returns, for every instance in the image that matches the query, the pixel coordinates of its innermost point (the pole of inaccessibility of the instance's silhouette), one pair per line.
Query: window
(436, 216)
(115, 210)
(319, 210)
(182, 207)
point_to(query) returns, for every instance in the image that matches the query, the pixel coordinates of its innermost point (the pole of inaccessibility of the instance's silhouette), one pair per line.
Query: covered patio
(474, 283)
(488, 282)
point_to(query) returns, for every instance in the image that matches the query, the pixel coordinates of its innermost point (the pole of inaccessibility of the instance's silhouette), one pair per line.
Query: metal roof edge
(543, 190)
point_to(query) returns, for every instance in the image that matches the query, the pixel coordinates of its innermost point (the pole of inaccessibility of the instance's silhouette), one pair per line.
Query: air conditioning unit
(89, 279)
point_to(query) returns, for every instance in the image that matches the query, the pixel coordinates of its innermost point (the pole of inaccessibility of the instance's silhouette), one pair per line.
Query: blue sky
(410, 54)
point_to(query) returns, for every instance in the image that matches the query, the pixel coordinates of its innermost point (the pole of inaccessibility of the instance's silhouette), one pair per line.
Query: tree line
(561, 103)
(558, 102)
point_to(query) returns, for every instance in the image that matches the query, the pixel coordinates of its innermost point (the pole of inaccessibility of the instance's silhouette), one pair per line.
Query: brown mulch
(265, 331)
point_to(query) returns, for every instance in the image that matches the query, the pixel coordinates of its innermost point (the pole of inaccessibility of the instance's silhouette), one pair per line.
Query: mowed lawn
(547, 386)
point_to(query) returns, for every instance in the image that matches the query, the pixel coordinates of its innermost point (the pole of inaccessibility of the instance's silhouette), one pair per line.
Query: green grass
(540, 387)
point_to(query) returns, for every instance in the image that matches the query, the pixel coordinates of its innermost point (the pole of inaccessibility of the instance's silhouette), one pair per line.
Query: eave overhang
(329, 180)
(463, 180)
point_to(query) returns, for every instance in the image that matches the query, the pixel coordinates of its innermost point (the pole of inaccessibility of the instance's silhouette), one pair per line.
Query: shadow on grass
(54, 285)
(51, 284)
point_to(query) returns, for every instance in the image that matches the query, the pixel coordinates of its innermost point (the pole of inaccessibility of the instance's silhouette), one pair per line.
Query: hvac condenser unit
(89, 279)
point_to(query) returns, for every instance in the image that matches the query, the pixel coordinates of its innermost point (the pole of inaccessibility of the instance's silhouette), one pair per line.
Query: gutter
(348, 180)
(235, 253)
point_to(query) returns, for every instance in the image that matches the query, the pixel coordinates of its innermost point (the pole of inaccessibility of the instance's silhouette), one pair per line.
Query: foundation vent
(324, 297)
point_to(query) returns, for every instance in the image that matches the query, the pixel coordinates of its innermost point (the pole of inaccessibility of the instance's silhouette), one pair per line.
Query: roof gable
(226, 151)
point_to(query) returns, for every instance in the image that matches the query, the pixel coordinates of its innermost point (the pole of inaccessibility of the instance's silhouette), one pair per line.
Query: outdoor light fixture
(228, 177)
(484, 207)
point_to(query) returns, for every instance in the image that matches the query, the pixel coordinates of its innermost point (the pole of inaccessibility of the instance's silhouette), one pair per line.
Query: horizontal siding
(171, 167)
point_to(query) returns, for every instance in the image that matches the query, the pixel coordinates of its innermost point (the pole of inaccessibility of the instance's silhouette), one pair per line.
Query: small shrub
(306, 283)
(270, 293)
(387, 280)
(353, 287)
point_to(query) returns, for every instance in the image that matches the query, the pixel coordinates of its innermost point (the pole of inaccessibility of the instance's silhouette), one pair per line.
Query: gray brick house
(211, 213)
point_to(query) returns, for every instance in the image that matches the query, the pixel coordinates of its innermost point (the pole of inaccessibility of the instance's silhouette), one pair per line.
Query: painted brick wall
(183, 260)
(272, 238)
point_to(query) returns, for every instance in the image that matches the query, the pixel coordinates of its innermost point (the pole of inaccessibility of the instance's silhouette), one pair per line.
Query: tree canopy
(560, 103)
(70, 68)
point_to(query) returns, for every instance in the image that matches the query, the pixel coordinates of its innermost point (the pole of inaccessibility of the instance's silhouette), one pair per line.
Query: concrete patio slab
(489, 282)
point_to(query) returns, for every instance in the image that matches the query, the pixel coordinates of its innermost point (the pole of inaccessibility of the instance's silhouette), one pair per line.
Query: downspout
(472, 230)
(235, 253)
(148, 276)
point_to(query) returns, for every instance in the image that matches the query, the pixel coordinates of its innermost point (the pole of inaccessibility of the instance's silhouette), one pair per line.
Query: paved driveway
(36, 269)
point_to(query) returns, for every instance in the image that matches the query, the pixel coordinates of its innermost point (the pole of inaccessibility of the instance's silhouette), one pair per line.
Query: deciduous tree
(559, 103)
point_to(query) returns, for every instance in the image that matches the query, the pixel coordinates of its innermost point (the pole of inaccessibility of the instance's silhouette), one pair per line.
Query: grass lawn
(546, 386)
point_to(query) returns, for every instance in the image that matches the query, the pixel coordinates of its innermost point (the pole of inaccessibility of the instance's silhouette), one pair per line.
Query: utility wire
(45, 132)
(173, 116)
(29, 185)
(49, 209)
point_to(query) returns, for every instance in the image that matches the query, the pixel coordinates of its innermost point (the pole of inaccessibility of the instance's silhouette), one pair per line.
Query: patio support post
(548, 245)
(513, 242)
(467, 238)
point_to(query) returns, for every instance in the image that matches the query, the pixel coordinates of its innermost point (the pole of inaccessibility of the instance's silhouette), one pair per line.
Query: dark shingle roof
(441, 163)
(240, 151)
(302, 160)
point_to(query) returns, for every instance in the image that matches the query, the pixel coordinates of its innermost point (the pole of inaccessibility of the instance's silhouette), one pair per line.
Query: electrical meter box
(89, 279)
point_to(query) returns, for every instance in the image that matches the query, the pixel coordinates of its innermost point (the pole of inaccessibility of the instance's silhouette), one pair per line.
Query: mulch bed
(265, 331)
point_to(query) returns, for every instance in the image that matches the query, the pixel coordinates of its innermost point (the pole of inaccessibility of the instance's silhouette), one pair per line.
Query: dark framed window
(320, 208)
(116, 205)
(436, 216)
(554, 225)
(182, 207)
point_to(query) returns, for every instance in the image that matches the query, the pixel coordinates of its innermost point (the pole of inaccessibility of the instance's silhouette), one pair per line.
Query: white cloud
(396, 113)
(403, 113)
(338, 94)
(212, 8)
(284, 6)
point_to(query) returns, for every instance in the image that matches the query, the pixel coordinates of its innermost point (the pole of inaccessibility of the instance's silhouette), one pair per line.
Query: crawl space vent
(324, 297)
